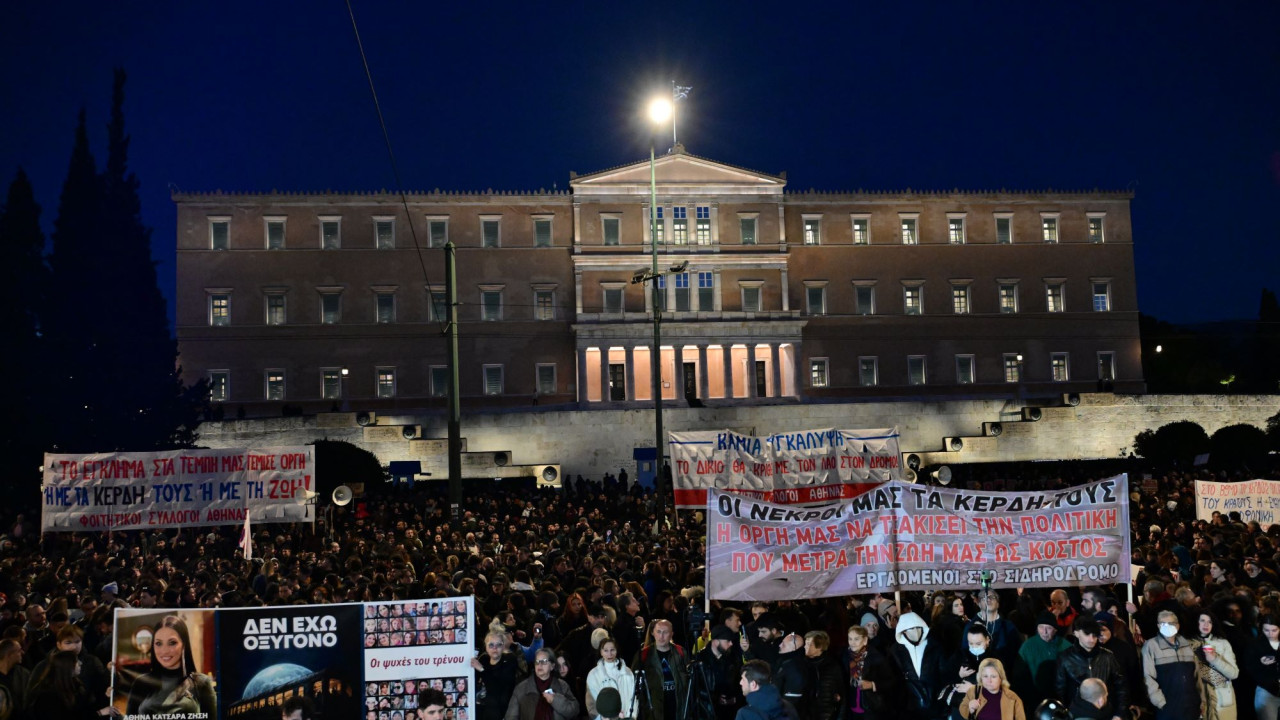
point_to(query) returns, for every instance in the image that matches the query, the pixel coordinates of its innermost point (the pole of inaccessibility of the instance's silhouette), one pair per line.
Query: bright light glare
(660, 110)
(1159, 348)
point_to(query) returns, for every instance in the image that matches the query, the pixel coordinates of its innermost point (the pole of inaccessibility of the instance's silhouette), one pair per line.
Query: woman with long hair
(1218, 669)
(992, 688)
(174, 684)
(611, 671)
(58, 692)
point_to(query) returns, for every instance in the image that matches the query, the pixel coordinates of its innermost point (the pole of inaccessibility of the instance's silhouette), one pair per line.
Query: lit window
(960, 299)
(491, 305)
(437, 233)
(1054, 295)
(1060, 367)
(912, 300)
(868, 371)
(330, 233)
(439, 381)
(219, 385)
(384, 230)
(659, 226)
(219, 234)
(915, 370)
(1101, 296)
(330, 383)
(1012, 368)
(275, 384)
(542, 232)
(964, 369)
(682, 292)
(546, 379)
(1049, 223)
(386, 307)
(680, 225)
(219, 310)
(275, 309)
(747, 226)
(955, 231)
(812, 231)
(910, 235)
(1008, 297)
(386, 382)
(864, 297)
(1004, 229)
(612, 232)
(489, 229)
(1096, 235)
(861, 231)
(706, 291)
(816, 300)
(492, 379)
(330, 308)
(818, 373)
(275, 234)
(544, 307)
(702, 230)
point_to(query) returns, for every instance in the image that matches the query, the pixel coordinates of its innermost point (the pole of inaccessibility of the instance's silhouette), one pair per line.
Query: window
(910, 230)
(437, 232)
(219, 385)
(1055, 297)
(330, 233)
(912, 300)
(751, 296)
(915, 370)
(1008, 297)
(868, 371)
(680, 225)
(1012, 368)
(384, 233)
(960, 299)
(386, 377)
(818, 373)
(706, 291)
(815, 297)
(220, 309)
(546, 374)
(662, 293)
(438, 309)
(1060, 367)
(1101, 296)
(682, 292)
(1004, 229)
(275, 384)
(611, 228)
(275, 233)
(489, 231)
(1096, 235)
(439, 381)
(1106, 365)
(544, 305)
(812, 230)
(659, 226)
(955, 230)
(747, 227)
(219, 233)
(542, 232)
(861, 230)
(613, 300)
(964, 369)
(702, 230)
(330, 308)
(492, 379)
(386, 303)
(330, 383)
(490, 305)
(864, 299)
(275, 309)
(1049, 225)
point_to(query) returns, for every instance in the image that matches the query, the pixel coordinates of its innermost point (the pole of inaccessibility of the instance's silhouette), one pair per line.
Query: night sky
(1179, 102)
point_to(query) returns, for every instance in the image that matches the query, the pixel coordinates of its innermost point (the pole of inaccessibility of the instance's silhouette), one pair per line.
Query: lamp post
(659, 112)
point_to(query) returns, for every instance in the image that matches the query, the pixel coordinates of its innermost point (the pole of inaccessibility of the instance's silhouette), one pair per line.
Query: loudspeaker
(909, 476)
(365, 419)
(1032, 414)
(953, 444)
(342, 495)
(942, 475)
(1071, 399)
(992, 429)
(411, 431)
(501, 459)
(913, 461)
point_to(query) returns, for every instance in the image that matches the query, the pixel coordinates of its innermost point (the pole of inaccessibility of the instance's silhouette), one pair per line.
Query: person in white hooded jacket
(610, 671)
(922, 667)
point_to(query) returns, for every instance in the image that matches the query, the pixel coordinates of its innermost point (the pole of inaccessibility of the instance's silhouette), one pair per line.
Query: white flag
(246, 537)
(680, 92)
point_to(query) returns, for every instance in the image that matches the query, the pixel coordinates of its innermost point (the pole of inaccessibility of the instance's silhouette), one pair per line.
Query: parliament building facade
(322, 301)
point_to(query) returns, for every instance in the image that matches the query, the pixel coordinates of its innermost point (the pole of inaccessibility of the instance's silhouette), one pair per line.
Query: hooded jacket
(921, 665)
(766, 704)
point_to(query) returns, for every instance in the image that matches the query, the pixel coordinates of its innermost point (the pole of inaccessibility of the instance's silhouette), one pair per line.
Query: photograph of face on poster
(398, 700)
(431, 651)
(164, 664)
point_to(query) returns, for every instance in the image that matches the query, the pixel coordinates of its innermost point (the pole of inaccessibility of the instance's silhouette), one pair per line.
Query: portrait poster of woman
(164, 664)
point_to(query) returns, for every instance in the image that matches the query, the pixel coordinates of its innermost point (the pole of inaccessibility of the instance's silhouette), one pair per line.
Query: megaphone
(942, 475)
(342, 495)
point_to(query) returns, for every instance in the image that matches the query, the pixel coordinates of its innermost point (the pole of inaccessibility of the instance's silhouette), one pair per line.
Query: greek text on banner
(1255, 500)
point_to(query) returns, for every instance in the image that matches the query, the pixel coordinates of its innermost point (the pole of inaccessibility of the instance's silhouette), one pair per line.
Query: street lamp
(659, 112)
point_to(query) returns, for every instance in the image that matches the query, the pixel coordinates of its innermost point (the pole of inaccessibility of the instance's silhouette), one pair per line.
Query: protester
(1170, 667)
(542, 687)
(991, 691)
(611, 672)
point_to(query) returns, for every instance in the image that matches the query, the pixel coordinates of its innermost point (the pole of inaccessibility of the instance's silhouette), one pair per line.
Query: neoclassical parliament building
(322, 300)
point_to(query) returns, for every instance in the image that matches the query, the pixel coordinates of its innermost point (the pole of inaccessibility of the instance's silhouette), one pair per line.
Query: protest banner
(1255, 500)
(788, 468)
(164, 664)
(176, 488)
(417, 644)
(902, 536)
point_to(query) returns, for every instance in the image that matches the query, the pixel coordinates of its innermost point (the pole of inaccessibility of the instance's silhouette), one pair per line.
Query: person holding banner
(174, 684)
(991, 698)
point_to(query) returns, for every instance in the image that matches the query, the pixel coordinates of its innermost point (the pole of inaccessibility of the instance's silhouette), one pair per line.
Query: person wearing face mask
(1170, 670)
(1263, 665)
(1005, 640)
(1087, 659)
(921, 665)
(964, 668)
(1218, 662)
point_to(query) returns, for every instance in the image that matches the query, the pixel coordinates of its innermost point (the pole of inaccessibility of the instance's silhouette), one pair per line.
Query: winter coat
(767, 704)
(617, 676)
(714, 691)
(1010, 704)
(1221, 694)
(921, 668)
(1075, 665)
(525, 699)
(829, 688)
(1173, 679)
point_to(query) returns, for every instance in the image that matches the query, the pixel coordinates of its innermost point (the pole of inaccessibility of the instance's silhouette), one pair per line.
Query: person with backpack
(764, 702)
(664, 675)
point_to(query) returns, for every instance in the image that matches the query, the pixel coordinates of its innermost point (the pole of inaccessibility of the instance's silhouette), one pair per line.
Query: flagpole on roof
(678, 92)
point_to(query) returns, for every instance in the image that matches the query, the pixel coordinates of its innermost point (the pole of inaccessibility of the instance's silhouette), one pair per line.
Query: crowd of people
(583, 611)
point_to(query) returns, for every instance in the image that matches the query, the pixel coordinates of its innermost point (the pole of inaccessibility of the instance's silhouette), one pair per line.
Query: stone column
(718, 302)
(604, 373)
(704, 383)
(798, 368)
(786, 293)
(582, 376)
(775, 368)
(727, 348)
(677, 373)
(631, 372)
(751, 369)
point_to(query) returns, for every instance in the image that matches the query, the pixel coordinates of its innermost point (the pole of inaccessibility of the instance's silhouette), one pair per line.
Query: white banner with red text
(1255, 500)
(176, 488)
(787, 468)
(903, 536)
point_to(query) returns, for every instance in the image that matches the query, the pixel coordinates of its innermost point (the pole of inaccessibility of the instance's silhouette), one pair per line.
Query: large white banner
(1254, 499)
(788, 468)
(176, 488)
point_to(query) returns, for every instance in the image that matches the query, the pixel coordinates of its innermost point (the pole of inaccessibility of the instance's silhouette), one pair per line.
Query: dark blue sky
(1178, 101)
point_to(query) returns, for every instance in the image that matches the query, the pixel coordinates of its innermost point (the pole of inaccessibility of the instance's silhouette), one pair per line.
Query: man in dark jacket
(664, 666)
(714, 693)
(1091, 701)
(1085, 660)
(921, 665)
(763, 700)
(827, 674)
(792, 674)
(768, 645)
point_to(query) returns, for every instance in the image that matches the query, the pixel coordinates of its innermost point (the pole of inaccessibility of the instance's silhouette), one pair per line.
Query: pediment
(678, 173)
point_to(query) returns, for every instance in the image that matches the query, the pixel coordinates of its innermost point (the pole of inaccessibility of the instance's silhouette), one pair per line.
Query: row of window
(332, 380)
(384, 232)
(1012, 365)
(1007, 292)
(957, 228)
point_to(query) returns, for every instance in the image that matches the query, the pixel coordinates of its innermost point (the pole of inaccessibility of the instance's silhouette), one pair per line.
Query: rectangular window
(546, 379)
(912, 300)
(386, 382)
(386, 307)
(544, 307)
(275, 234)
(437, 233)
(702, 230)
(1050, 226)
(915, 370)
(1054, 297)
(662, 293)
(955, 231)
(751, 299)
(492, 379)
(275, 384)
(868, 371)
(1101, 296)
(964, 369)
(864, 300)
(330, 308)
(659, 226)
(330, 383)
(812, 231)
(219, 385)
(1106, 366)
(680, 225)
(611, 229)
(910, 236)
(816, 300)
(747, 226)
(960, 299)
(613, 301)
(1060, 367)
(491, 305)
(1012, 368)
(275, 309)
(683, 300)
(818, 373)
(330, 234)
(437, 309)
(1095, 230)
(706, 291)
(861, 231)
(219, 234)
(1008, 297)
(489, 233)
(219, 310)
(542, 232)
(1004, 230)
(439, 381)
(385, 234)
